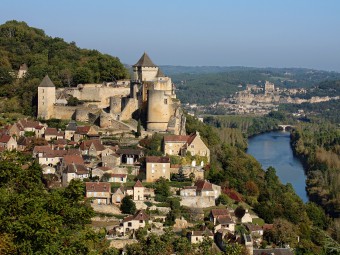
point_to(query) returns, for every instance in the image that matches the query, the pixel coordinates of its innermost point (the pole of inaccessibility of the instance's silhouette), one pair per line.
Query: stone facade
(157, 167)
(150, 93)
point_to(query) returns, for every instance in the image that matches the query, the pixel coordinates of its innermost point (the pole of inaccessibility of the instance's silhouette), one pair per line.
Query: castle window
(165, 101)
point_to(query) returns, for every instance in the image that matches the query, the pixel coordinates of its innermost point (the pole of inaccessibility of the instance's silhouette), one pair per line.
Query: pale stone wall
(159, 110)
(121, 243)
(130, 107)
(138, 193)
(145, 73)
(197, 147)
(154, 171)
(198, 202)
(173, 148)
(46, 101)
(64, 112)
(98, 92)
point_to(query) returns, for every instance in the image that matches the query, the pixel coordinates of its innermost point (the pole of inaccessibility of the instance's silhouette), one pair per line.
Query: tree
(128, 206)
(240, 212)
(82, 75)
(162, 190)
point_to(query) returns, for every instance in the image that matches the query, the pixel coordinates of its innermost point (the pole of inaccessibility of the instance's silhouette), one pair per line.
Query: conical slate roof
(46, 82)
(160, 73)
(145, 61)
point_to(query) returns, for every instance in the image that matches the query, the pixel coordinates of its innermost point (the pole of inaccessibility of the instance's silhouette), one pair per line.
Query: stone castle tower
(46, 98)
(157, 92)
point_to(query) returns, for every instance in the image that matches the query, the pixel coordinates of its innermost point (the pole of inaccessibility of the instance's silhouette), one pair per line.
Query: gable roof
(160, 73)
(83, 130)
(119, 176)
(157, 159)
(139, 215)
(85, 145)
(138, 184)
(203, 185)
(219, 212)
(224, 219)
(176, 138)
(145, 61)
(73, 159)
(76, 168)
(71, 126)
(46, 82)
(98, 187)
(5, 138)
(204, 231)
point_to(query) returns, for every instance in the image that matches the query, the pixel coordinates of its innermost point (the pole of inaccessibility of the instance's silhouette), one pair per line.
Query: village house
(40, 131)
(99, 192)
(91, 147)
(198, 235)
(138, 191)
(130, 156)
(29, 125)
(53, 134)
(85, 132)
(157, 167)
(15, 130)
(70, 129)
(134, 222)
(23, 143)
(100, 171)
(74, 171)
(222, 220)
(8, 142)
(118, 195)
(181, 144)
(120, 178)
(110, 160)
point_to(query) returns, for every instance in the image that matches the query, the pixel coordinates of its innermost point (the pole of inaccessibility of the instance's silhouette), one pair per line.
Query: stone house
(23, 143)
(181, 144)
(8, 142)
(16, 130)
(84, 132)
(70, 129)
(198, 235)
(29, 125)
(53, 134)
(130, 156)
(222, 220)
(188, 191)
(99, 171)
(111, 160)
(118, 195)
(100, 192)
(92, 147)
(40, 131)
(157, 167)
(74, 171)
(120, 178)
(138, 191)
(134, 222)
(207, 189)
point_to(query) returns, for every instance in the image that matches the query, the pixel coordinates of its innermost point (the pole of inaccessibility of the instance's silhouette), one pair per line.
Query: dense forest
(319, 147)
(65, 63)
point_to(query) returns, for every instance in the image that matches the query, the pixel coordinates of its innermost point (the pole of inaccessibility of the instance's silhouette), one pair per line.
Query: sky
(257, 33)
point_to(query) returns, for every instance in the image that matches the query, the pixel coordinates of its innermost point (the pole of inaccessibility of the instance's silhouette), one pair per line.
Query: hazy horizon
(259, 34)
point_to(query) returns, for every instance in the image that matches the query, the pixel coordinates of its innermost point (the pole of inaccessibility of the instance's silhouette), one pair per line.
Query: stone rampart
(64, 112)
(198, 202)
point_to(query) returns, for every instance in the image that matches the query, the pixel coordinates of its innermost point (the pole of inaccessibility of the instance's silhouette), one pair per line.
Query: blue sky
(260, 33)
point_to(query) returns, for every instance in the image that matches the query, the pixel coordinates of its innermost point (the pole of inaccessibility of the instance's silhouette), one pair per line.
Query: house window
(165, 101)
(196, 238)
(121, 179)
(129, 224)
(192, 146)
(141, 221)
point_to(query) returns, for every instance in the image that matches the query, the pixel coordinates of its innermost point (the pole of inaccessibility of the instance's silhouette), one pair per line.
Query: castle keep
(150, 96)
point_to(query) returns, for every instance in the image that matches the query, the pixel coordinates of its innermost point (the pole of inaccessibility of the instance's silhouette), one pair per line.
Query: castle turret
(46, 98)
(159, 110)
(145, 69)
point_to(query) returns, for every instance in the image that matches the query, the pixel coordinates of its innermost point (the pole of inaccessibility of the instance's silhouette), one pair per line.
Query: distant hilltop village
(150, 97)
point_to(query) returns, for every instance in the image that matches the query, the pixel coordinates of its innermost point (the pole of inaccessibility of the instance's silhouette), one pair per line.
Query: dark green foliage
(128, 206)
(73, 101)
(65, 63)
(153, 145)
(240, 212)
(162, 190)
(34, 220)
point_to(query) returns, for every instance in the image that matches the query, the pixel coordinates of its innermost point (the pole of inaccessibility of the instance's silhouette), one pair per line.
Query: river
(273, 149)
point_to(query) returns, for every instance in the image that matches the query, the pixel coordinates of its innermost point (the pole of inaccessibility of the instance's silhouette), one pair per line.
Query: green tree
(127, 205)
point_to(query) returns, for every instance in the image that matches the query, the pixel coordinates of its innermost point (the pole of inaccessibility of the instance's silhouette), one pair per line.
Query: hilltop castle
(150, 96)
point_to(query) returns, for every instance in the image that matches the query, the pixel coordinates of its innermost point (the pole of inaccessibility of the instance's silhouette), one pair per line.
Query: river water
(273, 149)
